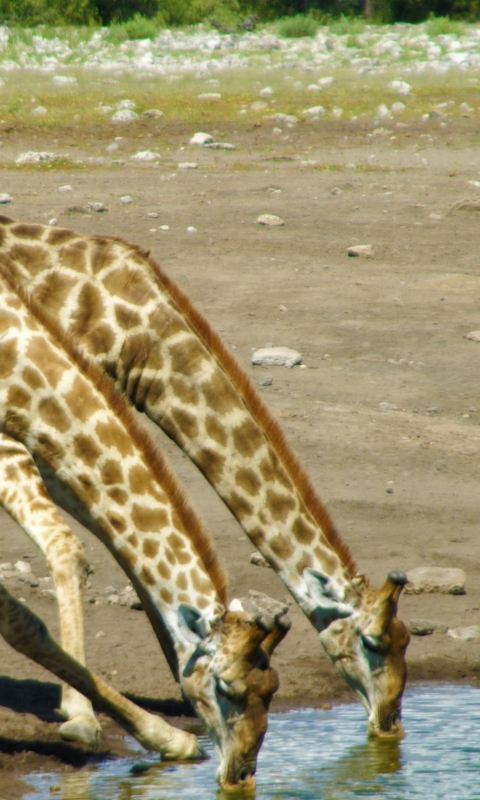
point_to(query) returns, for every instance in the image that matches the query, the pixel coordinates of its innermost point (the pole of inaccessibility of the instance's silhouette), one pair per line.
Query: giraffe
(130, 317)
(67, 435)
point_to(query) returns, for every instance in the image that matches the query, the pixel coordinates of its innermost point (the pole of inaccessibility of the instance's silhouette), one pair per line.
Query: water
(312, 754)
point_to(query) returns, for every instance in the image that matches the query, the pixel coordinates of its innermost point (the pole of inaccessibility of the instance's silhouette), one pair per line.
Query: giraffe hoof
(84, 729)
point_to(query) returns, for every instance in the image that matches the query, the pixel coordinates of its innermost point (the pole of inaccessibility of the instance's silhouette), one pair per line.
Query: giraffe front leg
(28, 635)
(24, 497)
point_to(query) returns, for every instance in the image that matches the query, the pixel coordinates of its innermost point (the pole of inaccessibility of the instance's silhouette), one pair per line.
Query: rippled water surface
(316, 755)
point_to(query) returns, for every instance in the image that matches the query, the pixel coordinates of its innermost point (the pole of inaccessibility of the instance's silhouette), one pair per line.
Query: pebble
(63, 80)
(23, 567)
(6, 198)
(474, 336)
(276, 357)
(146, 155)
(266, 380)
(258, 105)
(125, 115)
(424, 627)
(258, 560)
(65, 188)
(111, 148)
(466, 634)
(152, 113)
(426, 580)
(361, 251)
(401, 87)
(270, 219)
(126, 199)
(34, 157)
(286, 119)
(315, 111)
(40, 111)
(201, 138)
(210, 97)
(97, 206)
(267, 91)
(220, 146)
(188, 165)
(336, 191)
(191, 229)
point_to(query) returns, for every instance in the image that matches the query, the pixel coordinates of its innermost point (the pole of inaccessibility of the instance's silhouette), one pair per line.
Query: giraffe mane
(194, 528)
(259, 410)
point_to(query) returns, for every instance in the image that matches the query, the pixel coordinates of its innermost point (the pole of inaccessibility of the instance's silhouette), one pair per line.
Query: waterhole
(314, 755)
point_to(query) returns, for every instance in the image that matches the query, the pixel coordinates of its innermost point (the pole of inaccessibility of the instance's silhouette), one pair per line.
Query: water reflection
(310, 754)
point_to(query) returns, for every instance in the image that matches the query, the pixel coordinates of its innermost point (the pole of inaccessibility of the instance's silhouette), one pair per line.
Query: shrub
(297, 26)
(49, 12)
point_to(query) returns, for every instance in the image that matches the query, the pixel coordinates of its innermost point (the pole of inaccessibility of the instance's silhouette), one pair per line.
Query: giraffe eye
(371, 643)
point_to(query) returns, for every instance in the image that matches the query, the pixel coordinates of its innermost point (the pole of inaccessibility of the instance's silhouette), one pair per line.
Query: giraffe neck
(101, 467)
(129, 316)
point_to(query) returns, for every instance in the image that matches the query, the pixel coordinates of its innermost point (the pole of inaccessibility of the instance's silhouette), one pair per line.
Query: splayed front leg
(27, 633)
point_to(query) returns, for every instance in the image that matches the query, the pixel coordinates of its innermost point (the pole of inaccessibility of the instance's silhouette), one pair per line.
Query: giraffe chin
(388, 729)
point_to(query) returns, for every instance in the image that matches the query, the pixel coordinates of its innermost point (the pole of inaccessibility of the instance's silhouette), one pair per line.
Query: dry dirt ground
(401, 480)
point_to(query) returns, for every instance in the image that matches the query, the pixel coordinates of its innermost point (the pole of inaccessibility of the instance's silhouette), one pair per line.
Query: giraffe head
(367, 643)
(230, 683)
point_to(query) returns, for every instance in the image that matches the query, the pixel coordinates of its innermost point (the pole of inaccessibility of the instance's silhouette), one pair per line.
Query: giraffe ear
(193, 625)
(326, 594)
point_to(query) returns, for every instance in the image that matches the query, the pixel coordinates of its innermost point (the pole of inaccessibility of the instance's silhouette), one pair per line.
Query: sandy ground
(390, 329)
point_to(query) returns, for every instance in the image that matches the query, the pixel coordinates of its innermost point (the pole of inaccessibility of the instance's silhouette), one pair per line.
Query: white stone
(124, 115)
(23, 567)
(270, 219)
(151, 113)
(6, 198)
(97, 206)
(286, 119)
(188, 165)
(40, 111)
(383, 111)
(201, 138)
(258, 560)
(258, 105)
(128, 104)
(466, 634)
(111, 148)
(426, 580)
(398, 107)
(315, 111)
(277, 357)
(33, 157)
(146, 155)
(164, 228)
(267, 91)
(474, 336)
(361, 251)
(220, 146)
(210, 97)
(191, 229)
(65, 188)
(326, 81)
(126, 199)
(401, 87)
(63, 80)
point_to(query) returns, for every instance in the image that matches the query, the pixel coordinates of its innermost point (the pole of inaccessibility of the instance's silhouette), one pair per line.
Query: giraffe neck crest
(193, 527)
(258, 410)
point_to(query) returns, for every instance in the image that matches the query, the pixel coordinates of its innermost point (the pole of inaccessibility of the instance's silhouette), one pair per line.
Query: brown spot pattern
(127, 284)
(216, 430)
(52, 413)
(53, 366)
(149, 519)
(279, 505)
(86, 449)
(111, 472)
(34, 258)
(33, 378)
(302, 531)
(54, 291)
(117, 521)
(185, 391)
(219, 394)
(186, 422)
(8, 358)
(126, 317)
(150, 547)
(247, 438)
(139, 479)
(81, 401)
(19, 397)
(111, 434)
(282, 546)
(247, 480)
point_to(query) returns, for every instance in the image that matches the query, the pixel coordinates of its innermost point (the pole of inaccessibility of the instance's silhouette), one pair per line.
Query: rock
(426, 580)
(23, 567)
(266, 380)
(326, 81)
(188, 165)
(125, 115)
(5, 198)
(336, 191)
(153, 214)
(315, 111)
(210, 97)
(111, 148)
(146, 155)
(258, 105)
(270, 219)
(267, 91)
(77, 210)
(424, 627)
(40, 111)
(63, 80)
(65, 188)
(466, 634)
(201, 138)
(191, 229)
(50, 593)
(259, 603)
(277, 357)
(258, 560)
(151, 113)
(126, 199)
(97, 206)
(220, 146)
(361, 251)
(286, 119)
(129, 104)
(401, 87)
(34, 157)
(383, 111)
(474, 336)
